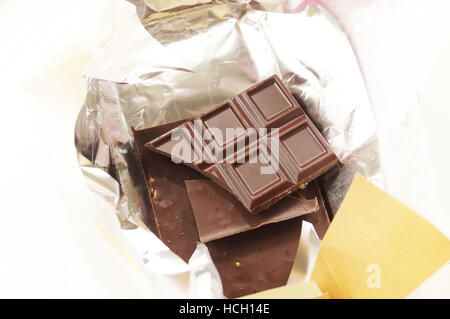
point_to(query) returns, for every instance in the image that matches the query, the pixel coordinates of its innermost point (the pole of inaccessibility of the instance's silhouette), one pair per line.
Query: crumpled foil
(189, 56)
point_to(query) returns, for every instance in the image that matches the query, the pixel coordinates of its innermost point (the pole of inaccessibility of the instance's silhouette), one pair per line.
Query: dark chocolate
(219, 214)
(263, 256)
(170, 202)
(303, 153)
(141, 137)
(258, 259)
(318, 219)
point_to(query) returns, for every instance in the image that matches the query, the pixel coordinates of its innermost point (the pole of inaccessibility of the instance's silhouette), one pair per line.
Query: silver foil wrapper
(179, 59)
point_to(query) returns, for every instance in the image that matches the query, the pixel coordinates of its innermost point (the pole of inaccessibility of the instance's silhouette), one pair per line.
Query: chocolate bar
(270, 149)
(250, 249)
(219, 214)
(167, 192)
(318, 219)
(256, 260)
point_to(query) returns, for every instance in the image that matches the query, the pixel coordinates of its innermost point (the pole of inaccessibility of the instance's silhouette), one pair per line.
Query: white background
(49, 245)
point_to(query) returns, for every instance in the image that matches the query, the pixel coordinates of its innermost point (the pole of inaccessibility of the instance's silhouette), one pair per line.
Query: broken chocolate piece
(219, 214)
(301, 156)
(144, 158)
(319, 219)
(258, 259)
(170, 202)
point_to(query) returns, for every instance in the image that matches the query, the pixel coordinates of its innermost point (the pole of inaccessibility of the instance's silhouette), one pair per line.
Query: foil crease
(196, 54)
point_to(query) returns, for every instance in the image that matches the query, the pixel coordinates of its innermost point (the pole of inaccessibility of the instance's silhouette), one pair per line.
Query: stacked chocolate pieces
(243, 194)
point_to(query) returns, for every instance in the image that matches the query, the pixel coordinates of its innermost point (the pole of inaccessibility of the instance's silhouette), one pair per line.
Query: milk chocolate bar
(247, 163)
(219, 214)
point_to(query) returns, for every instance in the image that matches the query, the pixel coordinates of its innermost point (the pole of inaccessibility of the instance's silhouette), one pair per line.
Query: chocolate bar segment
(167, 192)
(318, 219)
(219, 214)
(258, 259)
(233, 145)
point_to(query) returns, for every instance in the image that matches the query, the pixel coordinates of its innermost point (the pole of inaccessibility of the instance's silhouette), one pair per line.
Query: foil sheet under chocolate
(181, 59)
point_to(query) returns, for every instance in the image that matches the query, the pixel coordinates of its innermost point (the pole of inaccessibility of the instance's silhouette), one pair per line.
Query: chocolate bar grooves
(303, 153)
